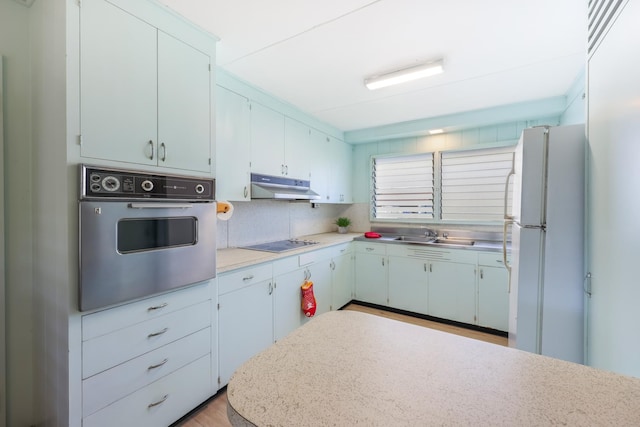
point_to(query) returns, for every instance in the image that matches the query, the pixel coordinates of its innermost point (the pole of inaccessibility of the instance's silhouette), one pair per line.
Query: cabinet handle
(155, 334)
(369, 249)
(430, 268)
(249, 277)
(270, 288)
(286, 169)
(332, 265)
(481, 274)
(425, 267)
(157, 307)
(158, 365)
(245, 192)
(159, 402)
(383, 262)
(164, 152)
(282, 169)
(151, 144)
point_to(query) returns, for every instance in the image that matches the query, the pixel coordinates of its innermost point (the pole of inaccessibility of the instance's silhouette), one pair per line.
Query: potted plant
(343, 223)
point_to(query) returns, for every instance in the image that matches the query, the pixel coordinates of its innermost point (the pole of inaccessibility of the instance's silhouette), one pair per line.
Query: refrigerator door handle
(512, 172)
(504, 249)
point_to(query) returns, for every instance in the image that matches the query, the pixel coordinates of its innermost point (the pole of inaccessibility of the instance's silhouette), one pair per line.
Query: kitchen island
(350, 368)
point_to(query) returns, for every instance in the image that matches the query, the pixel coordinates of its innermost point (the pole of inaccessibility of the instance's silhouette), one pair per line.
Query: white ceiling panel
(316, 54)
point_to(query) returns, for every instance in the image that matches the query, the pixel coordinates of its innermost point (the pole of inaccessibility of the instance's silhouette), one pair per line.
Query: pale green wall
(576, 111)
(14, 47)
(476, 137)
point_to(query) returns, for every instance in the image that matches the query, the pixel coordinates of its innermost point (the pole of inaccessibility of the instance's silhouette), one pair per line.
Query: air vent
(601, 12)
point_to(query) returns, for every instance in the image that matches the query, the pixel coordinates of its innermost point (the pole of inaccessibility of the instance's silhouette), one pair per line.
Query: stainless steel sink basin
(454, 241)
(414, 239)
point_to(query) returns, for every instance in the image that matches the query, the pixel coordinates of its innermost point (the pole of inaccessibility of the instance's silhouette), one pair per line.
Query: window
(403, 187)
(473, 184)
(454, 186)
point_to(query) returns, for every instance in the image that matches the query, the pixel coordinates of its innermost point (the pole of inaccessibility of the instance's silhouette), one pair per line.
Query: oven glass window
(135, 235)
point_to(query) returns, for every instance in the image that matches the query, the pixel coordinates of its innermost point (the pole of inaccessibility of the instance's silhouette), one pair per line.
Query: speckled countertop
(233, 258)
(348, 368)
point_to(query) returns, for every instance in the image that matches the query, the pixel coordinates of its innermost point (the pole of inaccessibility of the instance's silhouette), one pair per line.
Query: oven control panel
(102, 183)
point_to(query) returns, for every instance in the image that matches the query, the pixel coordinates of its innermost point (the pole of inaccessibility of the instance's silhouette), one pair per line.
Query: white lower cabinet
(453, 284)
(245, 317)
(137, 358)
(261, 304)
(452, 292)
(493, 292)
(408, 280)
(371, 272)
(342, 289)
(161, 402)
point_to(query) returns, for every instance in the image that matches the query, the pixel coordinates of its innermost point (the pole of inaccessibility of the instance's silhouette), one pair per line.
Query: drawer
(125, 344)
(285, 265)
(371, 248)
(106, 387)
(491, 259)
(110, 320)
(161, 402)
(236, 279)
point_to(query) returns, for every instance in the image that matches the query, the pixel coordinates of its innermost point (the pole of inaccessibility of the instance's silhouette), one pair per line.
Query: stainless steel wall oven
(143, 234)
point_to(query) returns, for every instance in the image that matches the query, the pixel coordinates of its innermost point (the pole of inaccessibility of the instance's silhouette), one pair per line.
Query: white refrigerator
(546, 297)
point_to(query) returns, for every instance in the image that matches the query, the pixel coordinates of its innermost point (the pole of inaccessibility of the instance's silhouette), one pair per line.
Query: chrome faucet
(431, 233)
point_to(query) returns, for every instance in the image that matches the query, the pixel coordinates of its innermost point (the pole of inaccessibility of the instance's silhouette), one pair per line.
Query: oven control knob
(111, 183)
(199, 188)
(147, 185)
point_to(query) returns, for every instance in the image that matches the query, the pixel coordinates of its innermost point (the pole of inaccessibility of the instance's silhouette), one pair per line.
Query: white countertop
(233, 258)
(348, 368)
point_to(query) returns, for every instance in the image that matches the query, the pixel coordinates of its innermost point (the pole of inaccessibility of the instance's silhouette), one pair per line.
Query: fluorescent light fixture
(435, 131)
(406, 75)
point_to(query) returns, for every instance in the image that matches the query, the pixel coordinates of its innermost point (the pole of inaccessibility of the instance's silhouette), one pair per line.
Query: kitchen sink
(415, 239)
(454, 241)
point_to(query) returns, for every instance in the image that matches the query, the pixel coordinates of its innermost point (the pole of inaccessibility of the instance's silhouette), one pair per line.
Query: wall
(576, 103)
(14, 47)
(261, 221)
(476, 137)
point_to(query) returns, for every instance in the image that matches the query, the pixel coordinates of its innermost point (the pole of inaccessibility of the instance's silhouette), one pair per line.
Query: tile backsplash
(261, 221)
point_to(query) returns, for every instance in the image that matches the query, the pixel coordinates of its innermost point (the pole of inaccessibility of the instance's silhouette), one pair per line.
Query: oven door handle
(152, 205)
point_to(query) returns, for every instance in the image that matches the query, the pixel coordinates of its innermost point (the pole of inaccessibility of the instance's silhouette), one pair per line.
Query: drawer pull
(159, 402)
(249, 277)
(157, 307)
(155, 334)
(158, 365)
(369, 249)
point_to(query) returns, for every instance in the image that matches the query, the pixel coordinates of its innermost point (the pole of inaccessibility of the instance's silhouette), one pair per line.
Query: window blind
(473, 184)
(403, 187)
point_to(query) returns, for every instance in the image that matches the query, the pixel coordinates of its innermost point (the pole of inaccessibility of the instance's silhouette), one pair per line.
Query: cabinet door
(342, 281)
(118, 85)
(321, 165)
(288, 313)
(452, 291)
(245, 321)
(320, 275)
(297, 147)
(493, 298)
(232, 146)
(340, 183)
(267, 141)
(408, 284)
(371, 278)
(184, 106)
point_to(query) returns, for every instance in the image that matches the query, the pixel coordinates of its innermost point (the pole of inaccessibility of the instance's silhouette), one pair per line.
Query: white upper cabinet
(267, 141)
(184, 105)
(233, 158)
(297, 148)
(145, 96)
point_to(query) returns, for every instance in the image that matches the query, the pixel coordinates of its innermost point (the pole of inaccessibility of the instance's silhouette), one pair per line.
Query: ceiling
(315, 54)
